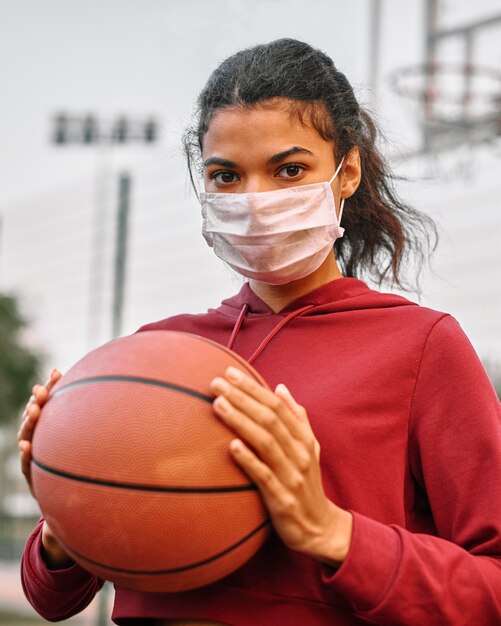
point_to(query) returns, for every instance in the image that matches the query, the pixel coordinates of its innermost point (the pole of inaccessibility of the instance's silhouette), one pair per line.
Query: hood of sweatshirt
(245, 313)
(343, 294)
(246, 324)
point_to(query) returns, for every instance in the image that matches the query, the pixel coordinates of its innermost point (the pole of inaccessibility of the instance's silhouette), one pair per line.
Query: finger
(268, 484)
(25, 418)
(24, 414)
(31, 413)
(29, 422)
(40, 394)
(295, 435)
(296, 408)
(54, 376)
(267, 397)
(299, 411)
(32, 408)
(25, 456)
(260, 413)
(263, 442)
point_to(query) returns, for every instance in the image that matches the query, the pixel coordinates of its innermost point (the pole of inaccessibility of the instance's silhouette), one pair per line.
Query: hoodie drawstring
(270, 335)
(236, 328)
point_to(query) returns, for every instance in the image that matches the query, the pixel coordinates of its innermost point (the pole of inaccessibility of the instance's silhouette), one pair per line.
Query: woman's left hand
(278, 451)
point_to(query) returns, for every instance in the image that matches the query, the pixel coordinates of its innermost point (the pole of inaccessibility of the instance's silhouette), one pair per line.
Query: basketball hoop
(456, 103)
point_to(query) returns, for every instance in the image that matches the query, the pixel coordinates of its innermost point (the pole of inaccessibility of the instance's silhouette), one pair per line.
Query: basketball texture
(131, 466)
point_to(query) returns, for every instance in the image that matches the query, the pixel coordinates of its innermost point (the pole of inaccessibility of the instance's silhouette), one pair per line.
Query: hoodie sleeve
(54, 594)
(394, 576)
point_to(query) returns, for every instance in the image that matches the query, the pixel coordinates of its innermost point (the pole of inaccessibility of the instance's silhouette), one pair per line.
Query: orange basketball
(132, 470)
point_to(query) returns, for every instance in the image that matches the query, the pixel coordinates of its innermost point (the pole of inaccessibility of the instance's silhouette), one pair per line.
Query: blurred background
(99, 230)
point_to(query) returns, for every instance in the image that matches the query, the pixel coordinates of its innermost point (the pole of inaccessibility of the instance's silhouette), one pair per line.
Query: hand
(53, 553)
(29, 420)
(279, 453)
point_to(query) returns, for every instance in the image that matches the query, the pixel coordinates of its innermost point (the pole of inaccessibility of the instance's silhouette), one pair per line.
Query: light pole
(120, 253)
(88, 129)
(103, 135)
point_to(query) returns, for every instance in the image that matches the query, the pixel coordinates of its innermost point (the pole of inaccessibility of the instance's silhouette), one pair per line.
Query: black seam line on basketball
(174, 570)
(132, 379)
(140, 487)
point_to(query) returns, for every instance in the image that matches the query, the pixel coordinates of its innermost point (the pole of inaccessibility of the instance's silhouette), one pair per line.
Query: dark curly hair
(381, 231)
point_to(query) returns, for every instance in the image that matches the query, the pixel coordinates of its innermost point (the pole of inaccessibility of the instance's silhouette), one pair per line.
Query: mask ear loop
(330, 183)
(341, 211)
(337, 171)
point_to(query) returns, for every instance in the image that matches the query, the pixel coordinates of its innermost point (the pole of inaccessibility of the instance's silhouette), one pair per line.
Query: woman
(397, 519)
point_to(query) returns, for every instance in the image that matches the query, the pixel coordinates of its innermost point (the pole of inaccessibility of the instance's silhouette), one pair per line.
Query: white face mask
(274, 237)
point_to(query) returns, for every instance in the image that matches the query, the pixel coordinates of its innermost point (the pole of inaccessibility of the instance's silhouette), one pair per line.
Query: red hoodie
(410, 431)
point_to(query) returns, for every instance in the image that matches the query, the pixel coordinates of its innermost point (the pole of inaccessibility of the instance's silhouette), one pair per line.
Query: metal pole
(98, 245)
(120, 253)
(467, 77)
(1, 247)
(374, 48)
(431, 17)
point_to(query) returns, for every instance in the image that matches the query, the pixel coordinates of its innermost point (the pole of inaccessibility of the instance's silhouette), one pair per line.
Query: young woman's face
(262, 149)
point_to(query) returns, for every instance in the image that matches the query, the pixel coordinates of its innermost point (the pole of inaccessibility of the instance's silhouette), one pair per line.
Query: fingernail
(234, 375)
(236, 445)
(219, 385)
(222, 405)
(282, 387)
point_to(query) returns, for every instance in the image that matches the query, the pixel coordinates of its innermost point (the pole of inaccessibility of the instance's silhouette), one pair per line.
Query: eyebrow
(276, 158)
(218, 161)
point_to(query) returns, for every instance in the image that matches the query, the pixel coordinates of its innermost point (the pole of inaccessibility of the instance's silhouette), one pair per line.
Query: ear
(351, 173)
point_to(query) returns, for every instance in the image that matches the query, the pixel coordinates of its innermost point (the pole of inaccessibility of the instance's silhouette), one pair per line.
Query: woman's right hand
(53, 553)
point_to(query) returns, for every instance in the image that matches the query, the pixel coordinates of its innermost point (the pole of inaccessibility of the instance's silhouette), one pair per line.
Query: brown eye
(290, 171)
(224, 177)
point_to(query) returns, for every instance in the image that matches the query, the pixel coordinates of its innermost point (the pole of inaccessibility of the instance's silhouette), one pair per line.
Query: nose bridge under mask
(262, 213)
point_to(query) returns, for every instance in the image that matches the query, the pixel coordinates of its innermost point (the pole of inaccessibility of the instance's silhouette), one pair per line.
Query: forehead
(260, 129)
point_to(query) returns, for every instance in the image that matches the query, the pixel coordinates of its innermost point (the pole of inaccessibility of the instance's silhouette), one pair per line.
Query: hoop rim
(437, 68)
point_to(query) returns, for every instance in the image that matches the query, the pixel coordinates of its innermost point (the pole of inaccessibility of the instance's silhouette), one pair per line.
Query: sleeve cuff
(57, 580)
(370, 567)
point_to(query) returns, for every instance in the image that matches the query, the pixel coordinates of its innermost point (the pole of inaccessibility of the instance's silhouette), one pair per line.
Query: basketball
(131, 466)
